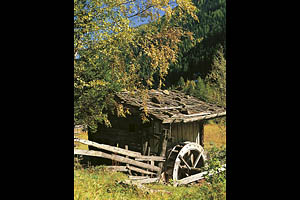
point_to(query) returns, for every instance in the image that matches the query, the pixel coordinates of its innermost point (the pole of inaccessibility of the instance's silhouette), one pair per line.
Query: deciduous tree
(111, 54)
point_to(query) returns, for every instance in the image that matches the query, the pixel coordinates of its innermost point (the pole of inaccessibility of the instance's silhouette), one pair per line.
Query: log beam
(116, 158)
(109, 148)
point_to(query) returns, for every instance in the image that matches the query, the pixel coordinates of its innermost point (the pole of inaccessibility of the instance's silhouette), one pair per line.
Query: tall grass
(95, 183)
(214, 134)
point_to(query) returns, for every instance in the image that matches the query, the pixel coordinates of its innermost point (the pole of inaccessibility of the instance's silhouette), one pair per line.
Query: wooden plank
(178, 132)
(149, 158)
(137, 177)
(162, 148)
(186, 119)
(211, 116)
(184, 132)
(109, 148)
(127, 165)
(181, 132)
(173, 132)
(163, 108)
(193, 132)
(199, 176)
(117, 168)
(196, 130)
(190, 131)
(182, 159)
(139, 170)
(148, 154)
(197, 114)
(201, 133)
(117, 158)
(145, 147)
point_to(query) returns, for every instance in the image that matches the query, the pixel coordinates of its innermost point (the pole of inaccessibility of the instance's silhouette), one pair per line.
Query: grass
(214, 134)
(81, 135)
(96, 183)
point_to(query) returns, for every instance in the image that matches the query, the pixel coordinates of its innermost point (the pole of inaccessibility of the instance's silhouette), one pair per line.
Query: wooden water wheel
(184, 159)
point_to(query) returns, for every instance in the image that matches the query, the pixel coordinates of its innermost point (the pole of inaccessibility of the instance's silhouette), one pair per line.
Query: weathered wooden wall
(154, 137)
(182, 132)
(146, 138)
(124, 131)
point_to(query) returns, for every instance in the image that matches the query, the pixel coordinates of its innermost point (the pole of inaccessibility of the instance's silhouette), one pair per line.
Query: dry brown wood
(150, 158)
(172, 101)
(127, 165)
(156, 99)
(201, 133)
(185, 119)
(116, 158)
(137, 177)
(199, 176)
(163, 108)
(197, 114)
(117, 168)
(192, 168)
(182, 159)
(139, 170)
(211, 116)
(109, 148)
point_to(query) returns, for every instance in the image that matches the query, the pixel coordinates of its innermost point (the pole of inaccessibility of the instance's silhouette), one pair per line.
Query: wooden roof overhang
(172, 106)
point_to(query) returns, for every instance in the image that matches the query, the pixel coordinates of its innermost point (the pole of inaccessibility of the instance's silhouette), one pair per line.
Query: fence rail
(134, 161)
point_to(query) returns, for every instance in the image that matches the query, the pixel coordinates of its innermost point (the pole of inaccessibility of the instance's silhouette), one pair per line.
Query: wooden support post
(113, 162)
(148, 153)
(127, 165)
(162, 148)
(145, 147)
(201, 133)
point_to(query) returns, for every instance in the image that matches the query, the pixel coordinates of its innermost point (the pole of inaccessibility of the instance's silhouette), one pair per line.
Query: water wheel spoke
(197, 160)
(185, 159)
(182, 159)
(192, 159)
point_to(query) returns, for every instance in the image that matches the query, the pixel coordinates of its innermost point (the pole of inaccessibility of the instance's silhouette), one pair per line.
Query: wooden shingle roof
(173, 106)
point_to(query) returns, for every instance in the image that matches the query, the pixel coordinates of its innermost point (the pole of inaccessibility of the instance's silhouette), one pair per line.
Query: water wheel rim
(188, 147)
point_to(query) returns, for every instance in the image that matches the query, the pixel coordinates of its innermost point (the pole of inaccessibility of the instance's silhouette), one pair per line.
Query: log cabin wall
(124, 131)
(146, 138)
(154, 137)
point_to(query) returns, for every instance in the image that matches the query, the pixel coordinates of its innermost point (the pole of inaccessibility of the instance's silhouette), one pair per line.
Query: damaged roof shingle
(173, 106)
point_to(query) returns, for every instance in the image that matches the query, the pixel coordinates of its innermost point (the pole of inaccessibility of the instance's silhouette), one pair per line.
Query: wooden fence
(134, 161)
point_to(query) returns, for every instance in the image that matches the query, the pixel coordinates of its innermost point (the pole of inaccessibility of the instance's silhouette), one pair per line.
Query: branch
(138, 13)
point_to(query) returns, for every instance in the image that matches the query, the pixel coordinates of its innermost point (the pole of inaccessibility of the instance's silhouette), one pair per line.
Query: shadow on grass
(90, 161)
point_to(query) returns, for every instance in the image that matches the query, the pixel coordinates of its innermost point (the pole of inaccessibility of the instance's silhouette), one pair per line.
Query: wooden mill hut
(173, 118)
